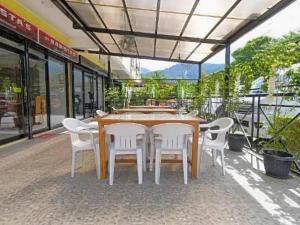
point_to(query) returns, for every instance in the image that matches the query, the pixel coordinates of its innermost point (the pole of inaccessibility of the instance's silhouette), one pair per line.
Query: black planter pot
(277, 163)
(236, 142)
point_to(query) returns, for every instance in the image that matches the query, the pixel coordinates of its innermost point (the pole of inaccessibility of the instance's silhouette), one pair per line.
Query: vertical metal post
(227, 77)
(258, 119)
(28, 89)
(47, 89)
(227, 71)
(252, 119)
(199, 75)
(109, 72)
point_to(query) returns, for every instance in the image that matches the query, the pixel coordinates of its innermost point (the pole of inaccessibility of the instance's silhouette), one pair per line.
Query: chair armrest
(224, 130)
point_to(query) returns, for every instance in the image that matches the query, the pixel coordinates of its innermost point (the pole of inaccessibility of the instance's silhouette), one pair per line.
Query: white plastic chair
(193, 113)
(101, 113)
(76, 127)
(222, 126)
(173, 141)
(125, 142)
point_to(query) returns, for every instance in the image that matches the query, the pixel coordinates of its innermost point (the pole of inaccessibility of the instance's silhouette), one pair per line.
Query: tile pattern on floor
(36, 188)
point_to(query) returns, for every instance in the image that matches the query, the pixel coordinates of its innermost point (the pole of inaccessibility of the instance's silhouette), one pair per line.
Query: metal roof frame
(219, 44)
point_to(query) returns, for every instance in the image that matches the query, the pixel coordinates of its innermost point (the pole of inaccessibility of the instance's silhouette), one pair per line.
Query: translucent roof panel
(213, 7)
(183, 49)
(178, 6)
(197, 56)
(107, 2)
(164, 48)
(170, 23)
(199, 26)
(141, 4)
(82, 10)
(142, 20)
(114, 18)
(113, 48)
(105, 38)
(227, 27)
(145, 46)
(126, 43)
(201, 52)
(252, 9)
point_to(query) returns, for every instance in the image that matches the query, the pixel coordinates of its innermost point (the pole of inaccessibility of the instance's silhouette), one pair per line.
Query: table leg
(194, 169)
(102, 151)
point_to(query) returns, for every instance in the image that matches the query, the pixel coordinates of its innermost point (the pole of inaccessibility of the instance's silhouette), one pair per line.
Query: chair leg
(223, 162)
(111, 167)
(73, 163)
(200, 158)
(157, 166)
(213, 152)
(139, 161)
(184, 164)
(97, 162)
(151, 153)
(144, 153)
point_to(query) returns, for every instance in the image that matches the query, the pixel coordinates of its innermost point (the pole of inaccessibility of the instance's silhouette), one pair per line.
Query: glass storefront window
(88, 95)
(58, 105)
(37, 71)
(78, 94)
(95, 93)
(11, 95)
(100, 94)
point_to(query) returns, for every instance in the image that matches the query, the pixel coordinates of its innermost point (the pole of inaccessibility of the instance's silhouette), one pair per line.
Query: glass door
(78, 93)
(57, 87)
(88, 95)
(12, 124)
(37, 73)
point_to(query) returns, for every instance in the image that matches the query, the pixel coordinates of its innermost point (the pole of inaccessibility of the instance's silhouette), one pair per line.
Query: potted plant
(277, 163)
(111, 96)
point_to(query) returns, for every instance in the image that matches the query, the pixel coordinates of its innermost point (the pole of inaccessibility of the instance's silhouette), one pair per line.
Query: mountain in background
(145, 71)
(185, 71)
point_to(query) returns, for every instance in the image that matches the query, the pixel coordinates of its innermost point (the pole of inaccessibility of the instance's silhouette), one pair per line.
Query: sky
(282, 23)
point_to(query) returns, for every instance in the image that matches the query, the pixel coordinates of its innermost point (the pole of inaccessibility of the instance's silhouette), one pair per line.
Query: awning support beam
(135, 56)
(152, 35)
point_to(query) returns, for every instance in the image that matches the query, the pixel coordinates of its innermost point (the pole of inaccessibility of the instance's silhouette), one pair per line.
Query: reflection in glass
(95, 93)
(88, 95)
(57, 91)
(100, 94)
(78, 94)
(11, 107)
(38, 95)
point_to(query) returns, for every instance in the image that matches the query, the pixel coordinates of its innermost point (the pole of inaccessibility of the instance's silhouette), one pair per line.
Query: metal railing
(255, 116)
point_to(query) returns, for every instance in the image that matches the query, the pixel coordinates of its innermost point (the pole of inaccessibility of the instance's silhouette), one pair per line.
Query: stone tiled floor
(36, 188)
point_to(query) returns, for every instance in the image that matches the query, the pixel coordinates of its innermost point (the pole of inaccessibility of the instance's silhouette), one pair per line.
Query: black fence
(267, 121)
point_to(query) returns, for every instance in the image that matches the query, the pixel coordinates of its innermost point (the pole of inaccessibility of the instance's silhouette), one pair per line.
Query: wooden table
(149, 107)
(148, 120)
(148, 110)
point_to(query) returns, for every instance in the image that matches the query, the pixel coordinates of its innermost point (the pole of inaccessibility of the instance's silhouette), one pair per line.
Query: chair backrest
(71, 125)
(223, 125)
(193, 113)
(101, 113)
(174, 135)
(125, 134)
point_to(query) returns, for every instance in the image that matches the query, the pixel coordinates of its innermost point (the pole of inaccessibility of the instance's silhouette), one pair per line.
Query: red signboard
(52, 44)
(21, 26)
(18, 24)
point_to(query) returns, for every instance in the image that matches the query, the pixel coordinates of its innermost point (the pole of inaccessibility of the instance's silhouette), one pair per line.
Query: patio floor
(36, 188)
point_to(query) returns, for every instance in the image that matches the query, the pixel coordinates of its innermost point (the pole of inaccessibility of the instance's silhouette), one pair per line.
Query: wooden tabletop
(150, 107)
(148, 110)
